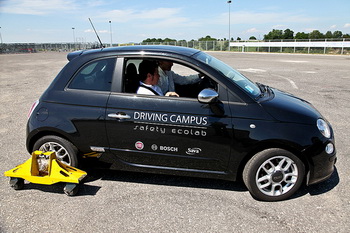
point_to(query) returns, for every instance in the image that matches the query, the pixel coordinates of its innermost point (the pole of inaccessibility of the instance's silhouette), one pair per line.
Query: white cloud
(94, 3)
(347, 25)
(159, 13)
(36, 7)
(117, 15)
(279, 26)
(98, 31)
(131, 15)
(333, 26)
(155, 18)
(252, 30)
(251, 17)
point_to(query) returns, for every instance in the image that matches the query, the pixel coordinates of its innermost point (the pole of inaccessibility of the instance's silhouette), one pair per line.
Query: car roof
(135, 50)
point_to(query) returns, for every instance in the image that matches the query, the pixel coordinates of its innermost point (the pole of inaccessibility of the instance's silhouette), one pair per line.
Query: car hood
(288, 108)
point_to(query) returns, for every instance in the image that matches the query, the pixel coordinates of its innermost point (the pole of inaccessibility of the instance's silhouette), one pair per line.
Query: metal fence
(340, 46)
(42, 47)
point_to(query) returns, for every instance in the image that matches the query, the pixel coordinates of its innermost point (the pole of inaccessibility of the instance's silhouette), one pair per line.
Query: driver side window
(190, 89)
(174, 77)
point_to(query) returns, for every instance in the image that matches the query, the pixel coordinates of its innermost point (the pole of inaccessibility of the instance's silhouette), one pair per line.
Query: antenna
(96, 34)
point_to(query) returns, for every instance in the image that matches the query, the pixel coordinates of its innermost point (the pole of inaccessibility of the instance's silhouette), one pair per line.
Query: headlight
(323, 127)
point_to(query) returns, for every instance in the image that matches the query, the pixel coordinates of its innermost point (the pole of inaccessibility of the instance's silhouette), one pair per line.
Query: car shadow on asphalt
(320, 188)
(202, 183)
(167, 180)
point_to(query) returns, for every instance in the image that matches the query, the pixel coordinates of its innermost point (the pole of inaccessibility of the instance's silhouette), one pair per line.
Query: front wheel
(65, 151)
(273, 174)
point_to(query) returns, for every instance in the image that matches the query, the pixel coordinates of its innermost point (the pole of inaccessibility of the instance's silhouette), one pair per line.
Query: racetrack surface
(114, 201)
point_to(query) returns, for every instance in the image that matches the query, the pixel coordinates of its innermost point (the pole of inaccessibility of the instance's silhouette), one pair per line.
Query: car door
(168, 132)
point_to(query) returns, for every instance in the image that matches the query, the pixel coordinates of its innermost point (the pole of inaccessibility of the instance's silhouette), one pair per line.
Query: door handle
(119, 115)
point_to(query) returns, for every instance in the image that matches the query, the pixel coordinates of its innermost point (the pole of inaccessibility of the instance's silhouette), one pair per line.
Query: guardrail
(342, 45)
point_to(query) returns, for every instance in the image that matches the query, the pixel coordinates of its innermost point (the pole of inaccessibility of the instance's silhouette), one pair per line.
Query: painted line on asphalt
(252, 70)
(294, 85)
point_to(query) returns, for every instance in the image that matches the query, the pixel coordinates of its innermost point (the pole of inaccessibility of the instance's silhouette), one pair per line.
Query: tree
(328, 35)
(207, 38)
(316, 34)
(274, 34)
(239, 38)
(337, 34)
(159, 40)
(169, 40)
(301, 36)
(252, 38)
(288, 34)
(346, 36)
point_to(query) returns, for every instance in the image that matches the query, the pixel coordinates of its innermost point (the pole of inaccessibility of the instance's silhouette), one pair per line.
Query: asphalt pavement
(115, 201)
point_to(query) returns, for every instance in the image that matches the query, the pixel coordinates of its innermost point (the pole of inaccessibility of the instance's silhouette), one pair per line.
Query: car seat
(131, 79)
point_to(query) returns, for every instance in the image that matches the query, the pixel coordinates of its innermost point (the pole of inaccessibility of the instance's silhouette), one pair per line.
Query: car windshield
(248, 86)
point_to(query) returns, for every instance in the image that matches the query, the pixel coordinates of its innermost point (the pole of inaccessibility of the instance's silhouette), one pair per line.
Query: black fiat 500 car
(222, 127)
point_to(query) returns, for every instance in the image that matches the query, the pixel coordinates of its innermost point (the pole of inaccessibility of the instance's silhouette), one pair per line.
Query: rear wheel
(273, 174)
(65, 151)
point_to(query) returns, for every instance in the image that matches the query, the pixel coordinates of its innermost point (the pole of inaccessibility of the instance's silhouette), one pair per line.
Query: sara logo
(193, 151)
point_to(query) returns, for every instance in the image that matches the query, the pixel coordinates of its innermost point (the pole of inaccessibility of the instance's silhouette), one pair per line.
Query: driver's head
(165, 65)
(148, 71)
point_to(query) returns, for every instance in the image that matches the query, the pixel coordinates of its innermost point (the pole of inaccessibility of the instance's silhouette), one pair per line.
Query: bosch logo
(169, 148)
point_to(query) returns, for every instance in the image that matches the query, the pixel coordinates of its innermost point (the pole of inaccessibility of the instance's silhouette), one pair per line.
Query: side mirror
(208, 96)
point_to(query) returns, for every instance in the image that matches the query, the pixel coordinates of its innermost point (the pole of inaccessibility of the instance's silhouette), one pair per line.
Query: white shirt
(144, 91)
(168, 79)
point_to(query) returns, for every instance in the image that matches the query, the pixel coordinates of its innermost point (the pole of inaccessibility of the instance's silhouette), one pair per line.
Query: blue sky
(38, 21)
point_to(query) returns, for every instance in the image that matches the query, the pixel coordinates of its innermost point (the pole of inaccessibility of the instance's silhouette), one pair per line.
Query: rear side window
(95, 76)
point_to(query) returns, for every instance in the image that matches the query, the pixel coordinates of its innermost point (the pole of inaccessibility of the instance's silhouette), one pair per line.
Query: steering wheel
(206, 82)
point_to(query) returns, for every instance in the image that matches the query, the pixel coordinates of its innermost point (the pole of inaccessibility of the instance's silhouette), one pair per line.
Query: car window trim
(124, 58)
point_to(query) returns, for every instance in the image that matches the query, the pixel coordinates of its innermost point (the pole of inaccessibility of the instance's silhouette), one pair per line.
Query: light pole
(229, 24)
(0, 36)
(110, 30)
(73, 37)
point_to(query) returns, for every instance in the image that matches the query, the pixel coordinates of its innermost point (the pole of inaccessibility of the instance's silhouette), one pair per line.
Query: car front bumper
(321, 164)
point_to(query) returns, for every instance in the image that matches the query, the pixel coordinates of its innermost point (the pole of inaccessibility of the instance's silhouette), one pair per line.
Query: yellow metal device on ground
(45, 168)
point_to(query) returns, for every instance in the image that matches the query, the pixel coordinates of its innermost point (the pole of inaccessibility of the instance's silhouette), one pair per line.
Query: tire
(273, 175)
(17, 183)
(71, 189)
(66, 152)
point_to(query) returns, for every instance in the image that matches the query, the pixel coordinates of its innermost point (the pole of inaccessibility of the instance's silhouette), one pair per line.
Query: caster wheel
(71, 189)
(16, 183)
